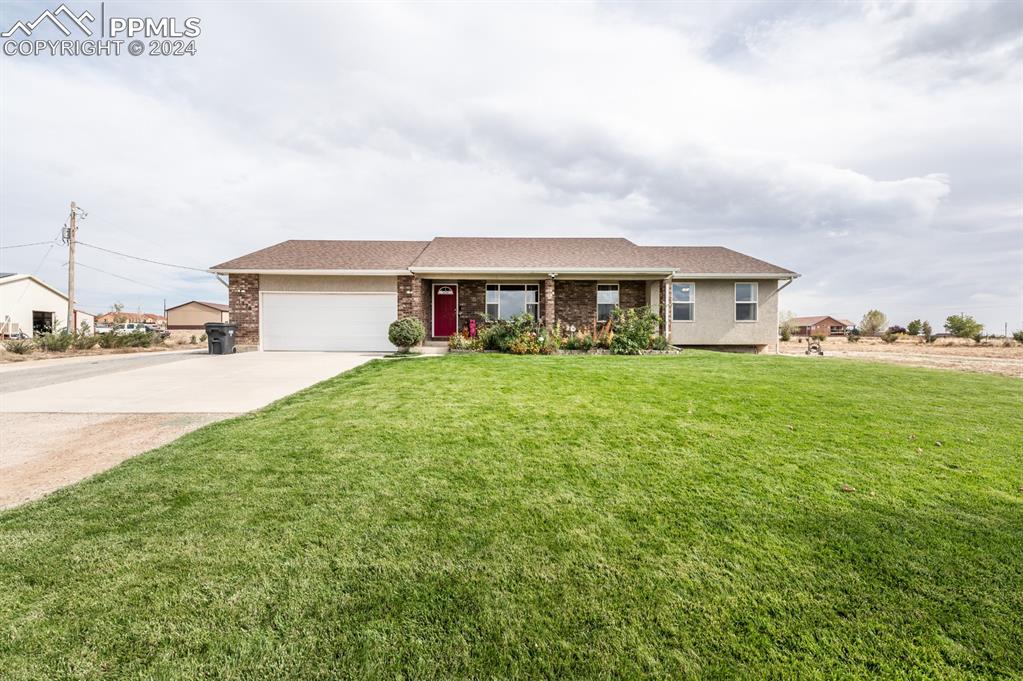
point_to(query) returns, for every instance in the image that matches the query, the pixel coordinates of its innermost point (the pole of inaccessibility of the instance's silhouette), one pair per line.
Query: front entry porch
(455, 305)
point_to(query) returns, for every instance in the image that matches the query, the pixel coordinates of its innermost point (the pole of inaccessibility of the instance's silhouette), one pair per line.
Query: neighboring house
(195, 314)
(820, 326)
(29, 305)
(111, 318)
(342, 295)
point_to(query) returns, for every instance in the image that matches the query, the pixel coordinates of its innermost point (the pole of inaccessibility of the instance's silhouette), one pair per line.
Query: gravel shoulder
(40, 453)
(990, 359)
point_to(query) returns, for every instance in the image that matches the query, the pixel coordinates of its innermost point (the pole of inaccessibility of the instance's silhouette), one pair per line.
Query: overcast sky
(875, 148)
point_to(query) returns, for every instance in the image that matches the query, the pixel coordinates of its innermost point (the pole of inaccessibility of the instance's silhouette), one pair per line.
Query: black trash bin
(220, 338)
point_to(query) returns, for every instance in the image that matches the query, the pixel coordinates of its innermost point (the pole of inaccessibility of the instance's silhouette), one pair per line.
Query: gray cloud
(875, 148)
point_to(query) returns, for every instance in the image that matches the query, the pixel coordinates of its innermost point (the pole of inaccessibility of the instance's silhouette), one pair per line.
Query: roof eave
(334, 272)
(679, 274)
(540, 270)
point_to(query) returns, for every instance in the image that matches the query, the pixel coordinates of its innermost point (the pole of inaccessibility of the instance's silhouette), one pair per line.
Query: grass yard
(495, 516)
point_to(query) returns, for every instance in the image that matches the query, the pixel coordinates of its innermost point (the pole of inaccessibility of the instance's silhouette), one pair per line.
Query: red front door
(445, 310)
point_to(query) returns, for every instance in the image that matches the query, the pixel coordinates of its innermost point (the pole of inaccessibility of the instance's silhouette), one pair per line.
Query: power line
(46, 255)
(35, 243)
(134, 281)
(135, 257)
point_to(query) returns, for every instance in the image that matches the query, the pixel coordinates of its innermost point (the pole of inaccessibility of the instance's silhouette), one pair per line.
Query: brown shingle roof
(709, 260)
(329, 255)
(543, 252)
(474, 253)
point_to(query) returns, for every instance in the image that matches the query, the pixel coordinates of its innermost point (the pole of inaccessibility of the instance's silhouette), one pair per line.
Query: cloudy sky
(875, 148)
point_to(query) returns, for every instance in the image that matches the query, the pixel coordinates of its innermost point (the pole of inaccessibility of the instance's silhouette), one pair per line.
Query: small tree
(927, 332)
(785, 325)
(1017, 336)
(119, 316)
(872, 323)
(963, 326)
(406, 333)
(913, 328)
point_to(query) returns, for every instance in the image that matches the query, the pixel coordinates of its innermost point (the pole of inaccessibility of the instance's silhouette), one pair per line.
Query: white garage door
(327, 321)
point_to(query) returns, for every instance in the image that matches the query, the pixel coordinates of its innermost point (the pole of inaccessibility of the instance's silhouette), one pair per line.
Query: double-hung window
(746, 302)
(505, 301)
(683, 302)
(607, 301)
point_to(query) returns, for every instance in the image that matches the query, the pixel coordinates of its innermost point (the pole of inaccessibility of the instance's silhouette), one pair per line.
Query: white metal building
(30, 305)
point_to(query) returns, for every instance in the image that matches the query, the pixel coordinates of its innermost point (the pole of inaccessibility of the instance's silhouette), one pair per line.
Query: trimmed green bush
(634, 330)
(406, 333)
(516, 335)
(660, 343)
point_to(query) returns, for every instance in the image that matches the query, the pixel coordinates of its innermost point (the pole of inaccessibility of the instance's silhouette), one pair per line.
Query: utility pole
(71, 235)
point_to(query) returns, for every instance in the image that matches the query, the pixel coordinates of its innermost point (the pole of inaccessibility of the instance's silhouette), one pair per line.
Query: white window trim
(755, 301)
(691, 301)
(499, 284)
(618, 288)
(433, 306)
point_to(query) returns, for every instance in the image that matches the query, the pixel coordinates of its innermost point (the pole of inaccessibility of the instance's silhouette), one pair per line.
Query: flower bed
(629, 332)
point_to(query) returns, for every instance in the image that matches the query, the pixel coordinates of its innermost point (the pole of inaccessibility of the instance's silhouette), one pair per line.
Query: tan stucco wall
(193, 314)
(714, 316)
(313, 283)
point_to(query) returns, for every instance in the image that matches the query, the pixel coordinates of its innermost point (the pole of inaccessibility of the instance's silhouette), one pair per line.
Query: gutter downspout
(777, 315)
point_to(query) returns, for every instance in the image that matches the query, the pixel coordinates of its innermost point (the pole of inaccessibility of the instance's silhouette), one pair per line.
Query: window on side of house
(683, 301)
(607, 301)
(746, 302)
(505, 301)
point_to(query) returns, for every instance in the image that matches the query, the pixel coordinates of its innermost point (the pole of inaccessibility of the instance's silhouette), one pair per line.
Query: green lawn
(496, 516)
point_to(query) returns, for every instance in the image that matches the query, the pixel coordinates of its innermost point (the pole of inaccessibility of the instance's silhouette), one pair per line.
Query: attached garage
(355, 322)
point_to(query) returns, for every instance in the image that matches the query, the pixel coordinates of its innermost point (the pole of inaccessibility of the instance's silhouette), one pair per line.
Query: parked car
(130, 327)
(157, 331)
(103, 328)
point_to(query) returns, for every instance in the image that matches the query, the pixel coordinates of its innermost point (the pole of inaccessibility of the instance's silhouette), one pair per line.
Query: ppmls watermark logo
(135, 36)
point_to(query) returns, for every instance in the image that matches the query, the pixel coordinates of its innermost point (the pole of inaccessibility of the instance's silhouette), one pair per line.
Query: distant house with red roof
(820, 325)
(112, 317)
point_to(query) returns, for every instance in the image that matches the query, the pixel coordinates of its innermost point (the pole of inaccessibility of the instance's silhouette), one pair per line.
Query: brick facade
(576, 303)
(243, 299)
(548, 304)
(410, 297)
(630, 294)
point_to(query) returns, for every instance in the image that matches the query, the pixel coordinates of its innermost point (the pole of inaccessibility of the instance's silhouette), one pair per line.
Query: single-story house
(342, 295)
(195, 314)
(111, 318)
(821, 325)
(29, 305)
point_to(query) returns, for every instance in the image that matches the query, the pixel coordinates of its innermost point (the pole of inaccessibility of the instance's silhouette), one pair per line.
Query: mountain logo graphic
(30, 26)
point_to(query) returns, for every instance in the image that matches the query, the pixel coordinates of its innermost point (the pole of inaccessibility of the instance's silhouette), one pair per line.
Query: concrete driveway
(66, 419)
(188, 384)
